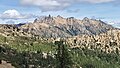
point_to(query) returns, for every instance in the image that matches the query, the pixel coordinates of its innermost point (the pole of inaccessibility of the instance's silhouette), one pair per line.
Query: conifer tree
(63, 56)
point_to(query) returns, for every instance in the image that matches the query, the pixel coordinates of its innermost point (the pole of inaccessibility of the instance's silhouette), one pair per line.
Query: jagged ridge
(65, 27)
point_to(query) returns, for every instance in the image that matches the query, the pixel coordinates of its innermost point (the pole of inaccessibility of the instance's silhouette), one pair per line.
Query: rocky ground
(4, 64)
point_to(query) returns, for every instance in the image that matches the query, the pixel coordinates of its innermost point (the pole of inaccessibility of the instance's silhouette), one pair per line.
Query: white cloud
(111, 23)
(13, 14)
(41, 2)
(97, 1)
(52, 5)
(73, 10)
(115, 24)
(10, 22)
(47, 5)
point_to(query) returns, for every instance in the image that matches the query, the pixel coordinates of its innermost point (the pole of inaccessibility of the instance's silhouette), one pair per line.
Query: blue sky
(21, 11)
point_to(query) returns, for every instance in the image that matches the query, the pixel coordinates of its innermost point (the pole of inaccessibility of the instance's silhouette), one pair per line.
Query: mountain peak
(49, 16)
(71, 18)
(59, 16)
(49, 26)
(86, 19)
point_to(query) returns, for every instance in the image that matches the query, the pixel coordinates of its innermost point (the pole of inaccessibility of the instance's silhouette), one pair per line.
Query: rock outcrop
(108, 42)
(65, 27)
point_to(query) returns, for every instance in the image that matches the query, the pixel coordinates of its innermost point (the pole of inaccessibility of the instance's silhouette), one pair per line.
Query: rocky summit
(49, 26)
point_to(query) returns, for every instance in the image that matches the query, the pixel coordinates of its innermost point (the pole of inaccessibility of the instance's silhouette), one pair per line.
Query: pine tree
(63, 56)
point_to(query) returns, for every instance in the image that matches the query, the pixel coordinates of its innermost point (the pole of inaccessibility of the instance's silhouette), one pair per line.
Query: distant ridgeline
(54, 27)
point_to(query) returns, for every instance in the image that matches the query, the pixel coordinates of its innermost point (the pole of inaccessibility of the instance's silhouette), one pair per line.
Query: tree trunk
(0, 61)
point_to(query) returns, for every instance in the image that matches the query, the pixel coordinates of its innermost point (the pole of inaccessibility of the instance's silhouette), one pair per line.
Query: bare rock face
(4, 64)
(49, 26)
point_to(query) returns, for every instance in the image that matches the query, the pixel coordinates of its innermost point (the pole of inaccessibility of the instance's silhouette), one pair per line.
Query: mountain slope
(65, 27)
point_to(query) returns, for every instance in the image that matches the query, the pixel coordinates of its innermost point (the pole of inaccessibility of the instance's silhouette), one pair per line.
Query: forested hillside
(24, 52)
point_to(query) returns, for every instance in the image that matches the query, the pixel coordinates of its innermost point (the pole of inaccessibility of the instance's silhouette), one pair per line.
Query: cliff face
(65, 27)
(55, 27)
